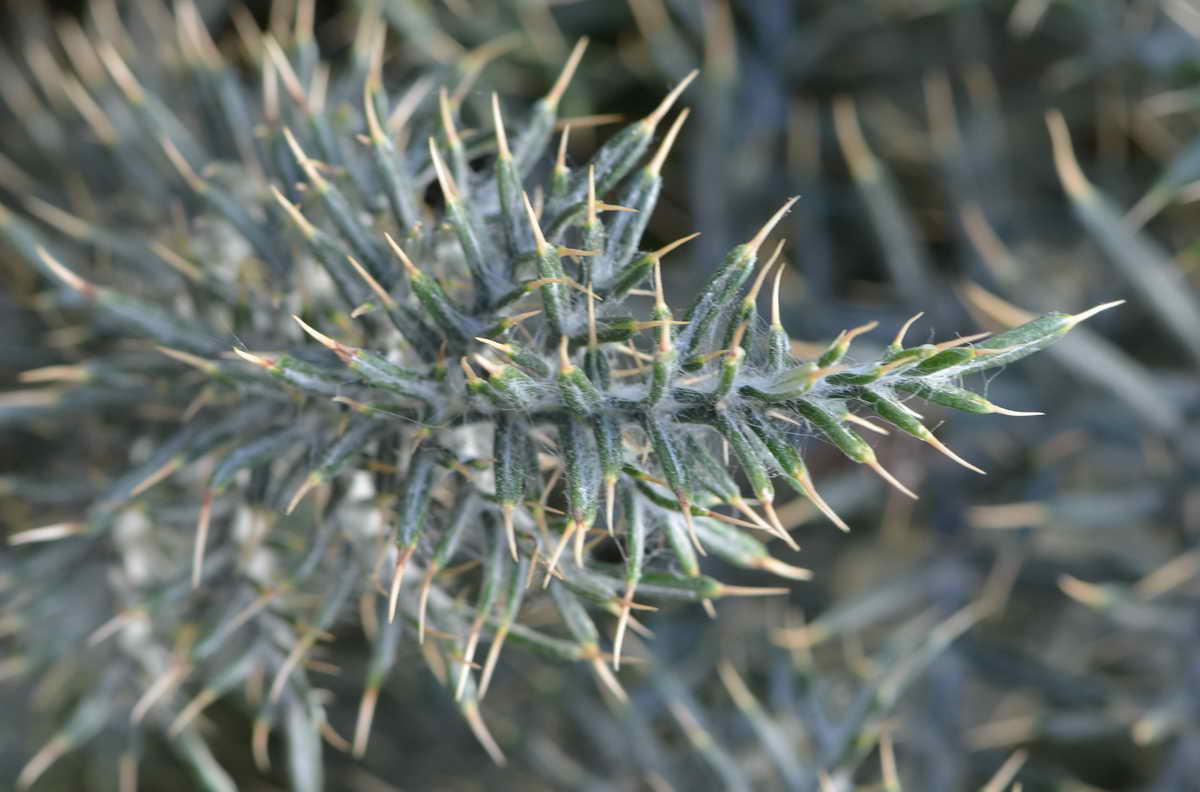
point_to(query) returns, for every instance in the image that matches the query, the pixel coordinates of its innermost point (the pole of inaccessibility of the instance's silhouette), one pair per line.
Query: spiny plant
(401, 364)
(786, 716)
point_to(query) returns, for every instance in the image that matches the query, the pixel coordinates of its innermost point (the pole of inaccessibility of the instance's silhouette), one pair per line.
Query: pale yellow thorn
(306, 228)
(1175, 572)
(170, 467)
(79, 49)
(887, 761)
(560, 160)
(192, 26)
(289, 664)
(362, 723)
(374, 285)
(530, 285)
(423, 601)
(610, 502)
(491, 368)
(889, 478)
(291, 82)
(608, 680)
(667, 248)
(203, 398)
(50, 753)
(1150, 204)
(664, 106)
(654, 167)
(994, 307)
(46, 69)
(774, 527)
(768, 506)
(101, 125)
(776, 253)
(516, 319)
(552, 564)
(320, 337)
(473, 63)
(408, 104)
(607, 207)
(591, 196)
(1081, 591)
(755, 243)
(318, 89)
(564, 357)
(310, 168)
(120, 72)
(593, 339)
(177, 262)
(247, 30)
(270, 92)
(65, 275)
(754, 591)
(496, 345)
(588, 121)
(47, 533)
(448, 119)
(811, 493)
(449, 189)
(1016, 413)
(760, 279)
(580, 537)
(754, 516)
(899, 339)
(850, 138)
(564, 78)
(1007, 772)
(775, 320)
(468, 657)
(957, 342)
(397, 580)
(865, 424)
(533, 222)
(849, 335)
(498, 122)
(66, 222)
(201, 538)
(305, 20)
(777, 567)
(55, 374)
(374, 129)
(623, 623)
(1069, 172)
(1009, 515)
(479, 729)
(932, 440)
(685, 506)
(489, 665)
(987, 242)
(736, 687)
(193, 708)
(309, 484)
(1089, 313)
(400, 254)
(660, 307)
(510, 531)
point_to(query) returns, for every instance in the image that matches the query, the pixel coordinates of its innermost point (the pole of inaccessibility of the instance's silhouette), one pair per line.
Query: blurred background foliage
(971, 159)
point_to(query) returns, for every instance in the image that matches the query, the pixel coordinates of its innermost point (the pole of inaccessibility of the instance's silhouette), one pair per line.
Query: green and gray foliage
(369, 353)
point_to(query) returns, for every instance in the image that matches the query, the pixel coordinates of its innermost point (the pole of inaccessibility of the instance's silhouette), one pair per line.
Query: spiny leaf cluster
(371, 297)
